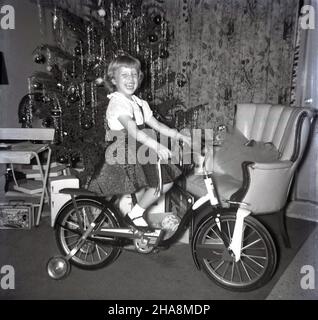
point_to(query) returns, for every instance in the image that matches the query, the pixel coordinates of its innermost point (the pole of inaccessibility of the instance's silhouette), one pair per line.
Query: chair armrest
(265, 185)
(275, 165)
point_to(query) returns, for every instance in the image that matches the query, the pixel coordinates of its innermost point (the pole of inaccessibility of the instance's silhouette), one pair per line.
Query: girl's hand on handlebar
(163, 152)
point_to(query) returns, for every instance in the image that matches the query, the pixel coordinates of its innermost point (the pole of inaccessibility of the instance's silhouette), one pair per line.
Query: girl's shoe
(130, 221)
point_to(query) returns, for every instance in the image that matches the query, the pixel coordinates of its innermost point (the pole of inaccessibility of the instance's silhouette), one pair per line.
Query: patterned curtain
(305, 92)
(295, 70)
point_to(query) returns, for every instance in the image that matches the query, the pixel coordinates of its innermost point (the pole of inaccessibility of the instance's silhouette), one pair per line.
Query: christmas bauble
(164, 54)
(74, 160)
(86, 125)
(118, 24)
(98, 59)
(72, 89)
(99, 81)
(37, 86)
(62, 159)
(59, 85)
(39, 58)
(77, 50)
(157, 19)
(73, 97)
(153, 38)
(55, 113)
(101, 12)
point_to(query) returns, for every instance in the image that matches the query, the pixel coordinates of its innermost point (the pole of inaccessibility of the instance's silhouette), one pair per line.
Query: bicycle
(229, 245)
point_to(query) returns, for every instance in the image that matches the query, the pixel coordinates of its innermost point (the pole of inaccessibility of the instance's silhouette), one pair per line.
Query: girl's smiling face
(126, 80)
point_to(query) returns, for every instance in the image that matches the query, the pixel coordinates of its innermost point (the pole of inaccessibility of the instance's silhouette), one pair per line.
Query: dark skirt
(130, 176)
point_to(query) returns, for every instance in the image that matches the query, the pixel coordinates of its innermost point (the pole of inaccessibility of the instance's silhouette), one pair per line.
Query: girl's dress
(129, 175)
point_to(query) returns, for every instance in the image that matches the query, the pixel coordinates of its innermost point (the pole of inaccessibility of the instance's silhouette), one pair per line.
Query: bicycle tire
(258, 255)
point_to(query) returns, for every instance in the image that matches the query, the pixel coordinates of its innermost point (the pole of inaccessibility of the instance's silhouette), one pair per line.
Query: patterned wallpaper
(227, 52)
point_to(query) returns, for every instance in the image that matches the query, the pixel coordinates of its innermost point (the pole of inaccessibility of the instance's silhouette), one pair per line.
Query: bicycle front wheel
(91, 255)
(258, 254)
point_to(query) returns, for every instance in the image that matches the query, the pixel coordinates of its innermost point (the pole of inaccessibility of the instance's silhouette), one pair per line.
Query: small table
(23, 153)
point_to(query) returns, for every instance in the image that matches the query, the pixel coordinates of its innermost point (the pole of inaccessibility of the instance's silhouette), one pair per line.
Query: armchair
(261, 181)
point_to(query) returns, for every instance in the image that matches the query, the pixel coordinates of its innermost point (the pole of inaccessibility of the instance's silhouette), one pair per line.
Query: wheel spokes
(228, 230)
(244, 268)
(252, 269)
(253, 260)
(251, 244)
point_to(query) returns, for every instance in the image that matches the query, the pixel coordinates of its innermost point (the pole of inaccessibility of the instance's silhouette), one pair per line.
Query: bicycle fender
(95, 199)
(202, 222)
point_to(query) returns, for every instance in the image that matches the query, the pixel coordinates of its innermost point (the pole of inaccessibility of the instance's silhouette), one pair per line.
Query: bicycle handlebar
(204, 153)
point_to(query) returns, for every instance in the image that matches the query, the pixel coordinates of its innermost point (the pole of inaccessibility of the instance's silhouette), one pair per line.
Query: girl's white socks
(137, 211)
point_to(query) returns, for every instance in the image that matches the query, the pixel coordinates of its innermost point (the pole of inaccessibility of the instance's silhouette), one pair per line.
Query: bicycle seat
(77, 192)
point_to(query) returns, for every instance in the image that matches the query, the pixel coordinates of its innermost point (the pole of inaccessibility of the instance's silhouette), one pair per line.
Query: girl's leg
(147, 199)
(150, 196)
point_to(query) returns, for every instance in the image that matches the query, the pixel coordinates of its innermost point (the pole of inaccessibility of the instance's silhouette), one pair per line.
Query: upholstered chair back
(287, 128)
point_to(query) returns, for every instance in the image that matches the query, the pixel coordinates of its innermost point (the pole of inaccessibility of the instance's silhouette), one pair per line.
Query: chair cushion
(234, 151)
(226, 185)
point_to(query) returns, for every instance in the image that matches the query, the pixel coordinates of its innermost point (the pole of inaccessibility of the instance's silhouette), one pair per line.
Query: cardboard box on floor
(16, 215)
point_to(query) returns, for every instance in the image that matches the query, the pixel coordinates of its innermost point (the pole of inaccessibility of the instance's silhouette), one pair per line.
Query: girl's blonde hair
(122, 61)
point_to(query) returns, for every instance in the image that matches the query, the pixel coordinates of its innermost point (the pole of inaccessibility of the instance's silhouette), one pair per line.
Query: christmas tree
(71, 95)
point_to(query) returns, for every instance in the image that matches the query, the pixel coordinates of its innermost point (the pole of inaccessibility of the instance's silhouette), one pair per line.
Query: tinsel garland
(88, 35)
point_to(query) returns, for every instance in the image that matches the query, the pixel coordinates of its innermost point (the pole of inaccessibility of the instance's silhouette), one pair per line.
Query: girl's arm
(130, 125)
(165, 130)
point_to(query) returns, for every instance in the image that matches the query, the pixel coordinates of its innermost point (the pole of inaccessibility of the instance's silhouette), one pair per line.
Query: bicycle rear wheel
(258, 255)
(91, 255)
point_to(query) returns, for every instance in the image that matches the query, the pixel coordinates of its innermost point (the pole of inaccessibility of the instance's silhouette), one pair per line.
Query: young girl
(128, 114)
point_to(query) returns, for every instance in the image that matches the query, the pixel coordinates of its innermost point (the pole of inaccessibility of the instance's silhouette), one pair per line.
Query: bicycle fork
(237, 239)
(235, 245)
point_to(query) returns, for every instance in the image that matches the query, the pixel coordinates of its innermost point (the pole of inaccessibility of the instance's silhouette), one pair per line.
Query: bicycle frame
(155, 238)
(215, 235)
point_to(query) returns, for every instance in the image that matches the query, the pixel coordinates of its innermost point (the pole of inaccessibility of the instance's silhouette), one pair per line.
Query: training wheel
(58, 268)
